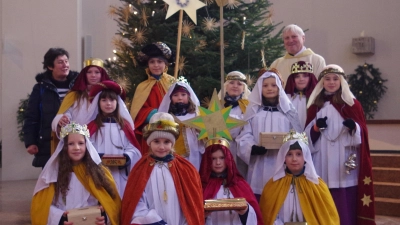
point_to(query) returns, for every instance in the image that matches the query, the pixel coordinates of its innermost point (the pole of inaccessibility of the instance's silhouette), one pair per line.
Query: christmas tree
(248, 42)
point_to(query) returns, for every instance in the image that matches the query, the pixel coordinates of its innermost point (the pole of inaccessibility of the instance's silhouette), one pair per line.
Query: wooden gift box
(225, 204)
(272, 140)
(113, 160)
(84, 216)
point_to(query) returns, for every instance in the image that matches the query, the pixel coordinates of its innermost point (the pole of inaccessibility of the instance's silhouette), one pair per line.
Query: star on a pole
(367, 180)
(214, 121)
(366, 200)
(189, 6)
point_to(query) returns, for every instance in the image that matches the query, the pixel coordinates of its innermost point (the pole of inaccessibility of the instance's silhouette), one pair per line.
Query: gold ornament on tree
(202, 44)
(112, 11)
(231, 4)
(126, 12)
(187, 27)
(143, 18)
(209, 24)
(181, 65)
(139, 36)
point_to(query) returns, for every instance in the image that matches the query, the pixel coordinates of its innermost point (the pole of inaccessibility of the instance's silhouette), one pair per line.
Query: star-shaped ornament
(190, 7)
(367, 180)
(366, 200)
(214, 121)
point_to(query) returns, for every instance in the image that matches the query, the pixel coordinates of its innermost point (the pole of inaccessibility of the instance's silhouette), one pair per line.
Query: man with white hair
(293, 40)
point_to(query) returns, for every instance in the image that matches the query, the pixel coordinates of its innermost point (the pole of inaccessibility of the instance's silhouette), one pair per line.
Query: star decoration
(181, 65)
(190, 7)
(366, 200)
(231, 4)
(209, 24)
(367, 180)
(139, 37)
(187, 27)
(214, 121)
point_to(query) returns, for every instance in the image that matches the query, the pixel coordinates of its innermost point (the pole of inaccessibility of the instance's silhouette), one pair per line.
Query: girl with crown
(163, 187)
(182, 102)
(236, 95)
(222, 180)
(295, 193)
(337, 128)
(111, 131)
(269, 110)
(74, 178)
(299, 87)
(149, 93)
(76, 104)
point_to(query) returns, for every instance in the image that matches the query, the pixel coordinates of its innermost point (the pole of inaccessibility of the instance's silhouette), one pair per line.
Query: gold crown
(218, 141)
(74, 128)
(161, 125)
(301, 67)
(93, 62)
(293, 135)
(331, 70)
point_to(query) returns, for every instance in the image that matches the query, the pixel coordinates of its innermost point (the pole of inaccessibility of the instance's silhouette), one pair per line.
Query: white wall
(333, 24)
(29, 28)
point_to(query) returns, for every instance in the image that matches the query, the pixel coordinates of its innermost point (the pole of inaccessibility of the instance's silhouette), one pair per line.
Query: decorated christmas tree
(248, 41)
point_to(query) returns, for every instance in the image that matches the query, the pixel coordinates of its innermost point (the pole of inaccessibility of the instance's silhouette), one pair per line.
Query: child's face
(218, 162)
(294, 160)
(234, 88)
(93, 75)
(108, 105)
(269, 88)
(331, 82)
(160, 147)
(76, 147)
(301, 81)
(156, 66)
(181, 97)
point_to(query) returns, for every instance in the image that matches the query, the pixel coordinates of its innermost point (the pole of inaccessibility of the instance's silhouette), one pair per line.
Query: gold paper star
(139, 37)
(208, 24)
(190, 7)
(187, 27)
(367, 180)
(214, 121)
(366, 200)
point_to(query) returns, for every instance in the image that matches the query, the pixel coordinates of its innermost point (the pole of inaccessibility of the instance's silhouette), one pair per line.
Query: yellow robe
(43, 199)
(315, 200)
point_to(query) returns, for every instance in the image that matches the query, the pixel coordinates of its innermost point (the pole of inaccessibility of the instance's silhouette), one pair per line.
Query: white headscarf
(309, 171)
(246, 92)
(347, 95)
(49, 173)
(255, 98)
(165, 103)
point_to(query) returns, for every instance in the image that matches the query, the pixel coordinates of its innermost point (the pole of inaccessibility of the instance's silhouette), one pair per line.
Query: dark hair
(106, 93)
(96, 172)
(51, 55)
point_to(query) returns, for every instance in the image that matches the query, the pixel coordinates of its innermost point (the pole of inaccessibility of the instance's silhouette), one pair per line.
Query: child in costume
(149, 93)
(76, 104)
(112, 131)
(236, 95)
(163, 187)
(299, 87)
(74, 178)
(182, 102)
(339, 143)
(269, 110)
(295, 193)
(222, 180)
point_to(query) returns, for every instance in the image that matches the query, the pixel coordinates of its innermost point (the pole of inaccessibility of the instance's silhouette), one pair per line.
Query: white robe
(328, 156)
(229, 217)
(152, 208)
(261, 168)
(196, 147)
(241, 166)
(106, 141)
(77, 197)
(291, 204)
(301, 105)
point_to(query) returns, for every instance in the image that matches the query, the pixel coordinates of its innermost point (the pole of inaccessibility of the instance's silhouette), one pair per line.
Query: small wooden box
(84, 216)
(113, 160)
(295, 223)
(272, 140)
(225, 204)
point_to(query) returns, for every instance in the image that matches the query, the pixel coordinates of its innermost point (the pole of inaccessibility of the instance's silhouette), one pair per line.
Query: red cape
(234, 181)
(129, 133)
(365, 213)
(187, 184)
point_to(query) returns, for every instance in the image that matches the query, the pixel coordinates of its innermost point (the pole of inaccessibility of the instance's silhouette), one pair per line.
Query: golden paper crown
(218, 141)
(161, 125)
(93, 62)
(331, 69)
(301, 67)
(293, 135)
(74, 128)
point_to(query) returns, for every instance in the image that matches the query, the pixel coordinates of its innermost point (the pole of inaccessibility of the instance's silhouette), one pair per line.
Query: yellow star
(366, 200)
(367, 180)
(190, 7)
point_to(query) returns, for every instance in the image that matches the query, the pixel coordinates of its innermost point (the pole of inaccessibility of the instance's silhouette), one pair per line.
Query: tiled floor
(15, 200)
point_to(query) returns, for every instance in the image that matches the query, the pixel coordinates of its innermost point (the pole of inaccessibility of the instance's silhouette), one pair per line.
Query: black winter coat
(43, 106)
